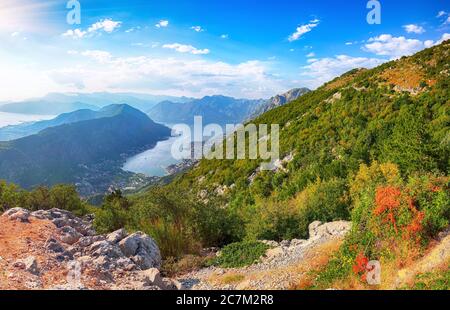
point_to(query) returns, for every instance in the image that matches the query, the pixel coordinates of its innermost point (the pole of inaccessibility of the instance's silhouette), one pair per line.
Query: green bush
(240, 254)
(280, 220)
(60, 196)
(115, 213)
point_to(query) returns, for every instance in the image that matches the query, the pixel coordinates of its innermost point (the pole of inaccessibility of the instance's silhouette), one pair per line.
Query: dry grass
(232, 279)
(343, 80)
(406, 77)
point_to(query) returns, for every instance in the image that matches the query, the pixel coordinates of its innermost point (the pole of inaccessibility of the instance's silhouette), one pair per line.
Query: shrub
(61, 196)
(240, 254)
(172, 267)
(280, 220)
(393, 220)
(11, 196)
(113, 214)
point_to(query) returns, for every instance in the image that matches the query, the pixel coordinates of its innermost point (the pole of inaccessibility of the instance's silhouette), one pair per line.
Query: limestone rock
(29, 264)
(116, 236)
(17, 214)
(69, 235)
(142, 250)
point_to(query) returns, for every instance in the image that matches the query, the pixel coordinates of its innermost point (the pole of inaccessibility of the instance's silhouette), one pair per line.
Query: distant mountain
(75, 152)
(213, 109)
(45, 107)
(58, 103)
(280, 100)
(22, 130)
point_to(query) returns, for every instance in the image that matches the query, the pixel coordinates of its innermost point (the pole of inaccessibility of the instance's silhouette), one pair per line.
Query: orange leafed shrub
(361, 262)
(390, 202)
(387, 201)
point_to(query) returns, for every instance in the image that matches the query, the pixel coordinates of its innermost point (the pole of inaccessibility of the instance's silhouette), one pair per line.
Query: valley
(362, 181)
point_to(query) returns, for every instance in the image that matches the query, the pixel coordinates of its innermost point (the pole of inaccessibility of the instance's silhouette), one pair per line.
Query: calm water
(15, 119)
(152, 162)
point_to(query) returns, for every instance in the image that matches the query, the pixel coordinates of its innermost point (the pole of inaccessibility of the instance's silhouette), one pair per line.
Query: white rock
(69, 235)
(17, 214)
(142, 249)
(116, 236)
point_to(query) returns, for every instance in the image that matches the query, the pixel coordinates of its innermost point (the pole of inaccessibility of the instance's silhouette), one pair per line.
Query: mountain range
(58, 103)
(220, 109)
(213, 109)
(279, 100)
(22, 130)
(72, 152)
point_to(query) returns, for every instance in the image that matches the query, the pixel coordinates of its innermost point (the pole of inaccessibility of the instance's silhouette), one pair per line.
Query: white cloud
(106, 25)
(319, 71)
(411, 28)
(197, 28)
(162, 24)
(182, 48)
(15, 34)
(76, 34)
(446, 15)
(428, 43)
(312, 54)
(132, 29)
(98, 55)
(445, 37)
(394, 47)
(174, 76)
(224, 36)
(301, 30)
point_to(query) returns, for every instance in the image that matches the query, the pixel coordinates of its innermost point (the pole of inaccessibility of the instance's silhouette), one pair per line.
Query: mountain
(280, 100)
(371, 146)
(213, 109)
(22, 130)
(71, 152)
(58, 103)
(44, 107)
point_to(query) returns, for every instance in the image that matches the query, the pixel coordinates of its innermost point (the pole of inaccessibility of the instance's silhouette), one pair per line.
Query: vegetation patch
(240, 254)
(438, 280)
(232, 278)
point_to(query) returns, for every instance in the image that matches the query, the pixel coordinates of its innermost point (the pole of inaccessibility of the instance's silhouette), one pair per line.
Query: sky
(240, 48)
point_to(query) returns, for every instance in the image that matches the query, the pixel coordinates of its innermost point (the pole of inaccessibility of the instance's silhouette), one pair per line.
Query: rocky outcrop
(279, 100)
(113, 261)
(286, 251)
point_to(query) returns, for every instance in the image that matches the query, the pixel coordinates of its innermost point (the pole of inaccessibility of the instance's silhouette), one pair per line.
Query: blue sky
(241, 48)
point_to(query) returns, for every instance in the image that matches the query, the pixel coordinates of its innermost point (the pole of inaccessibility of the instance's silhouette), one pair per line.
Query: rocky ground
(283, 266)
(55, 250)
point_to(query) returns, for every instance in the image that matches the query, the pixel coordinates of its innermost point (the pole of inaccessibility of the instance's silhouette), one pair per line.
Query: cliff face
(280, 100)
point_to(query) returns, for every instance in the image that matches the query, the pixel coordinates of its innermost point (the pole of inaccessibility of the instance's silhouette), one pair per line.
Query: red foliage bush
(361, 262)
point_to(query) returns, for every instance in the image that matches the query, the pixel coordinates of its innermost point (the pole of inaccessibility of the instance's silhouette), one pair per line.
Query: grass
(437, 280)
(232, 278)
(172, 267)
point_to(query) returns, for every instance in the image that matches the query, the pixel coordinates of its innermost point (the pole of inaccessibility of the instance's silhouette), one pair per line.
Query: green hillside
(397, 113)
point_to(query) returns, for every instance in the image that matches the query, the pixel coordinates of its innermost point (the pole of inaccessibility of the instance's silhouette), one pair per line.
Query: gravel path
(283, 265)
